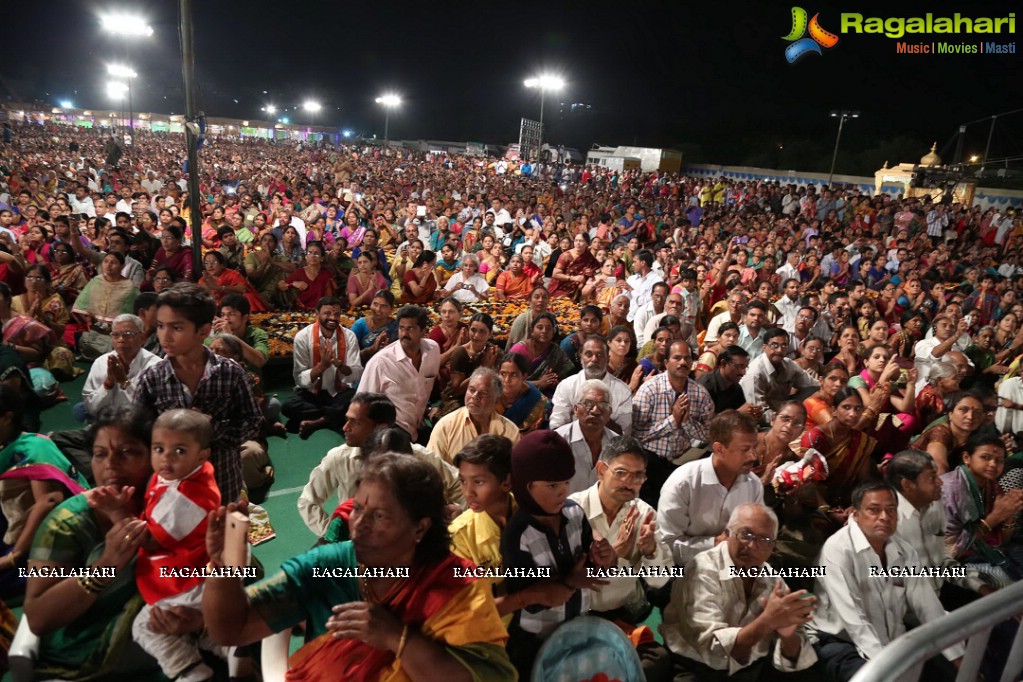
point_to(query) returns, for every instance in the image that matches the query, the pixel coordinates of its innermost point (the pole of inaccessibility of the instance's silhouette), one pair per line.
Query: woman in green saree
(548, 364)
(86, 633)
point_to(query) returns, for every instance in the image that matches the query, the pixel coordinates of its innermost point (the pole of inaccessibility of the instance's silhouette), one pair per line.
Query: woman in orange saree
(392, 604)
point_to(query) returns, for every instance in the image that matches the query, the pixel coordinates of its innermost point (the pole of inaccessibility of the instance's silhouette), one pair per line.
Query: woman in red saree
(573, 269)
(392, 604)
(222, 280)
(313, 281)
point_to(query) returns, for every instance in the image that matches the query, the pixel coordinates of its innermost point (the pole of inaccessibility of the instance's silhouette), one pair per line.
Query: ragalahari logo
(802, 46)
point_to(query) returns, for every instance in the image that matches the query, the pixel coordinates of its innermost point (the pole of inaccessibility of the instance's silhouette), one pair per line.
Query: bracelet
(93, 585)
(401, 642)
(985, 526)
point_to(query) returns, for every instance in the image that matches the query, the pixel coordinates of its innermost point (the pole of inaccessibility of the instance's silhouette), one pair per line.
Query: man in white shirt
(698, 498)
(286, 218)
(921, 523)
(721, 623)
(674, 305)
(929, 351)
(337, 473)
(151, 183)
(81, 202)
(406, 371)
(788, 305)
(588, 432)
(114, 376)
(326, 369)
(641, 283)
(653, 307)
(594, 358)
(614, 511)
(861, 609)
(791, 268)
(736, 302)
(771, 377)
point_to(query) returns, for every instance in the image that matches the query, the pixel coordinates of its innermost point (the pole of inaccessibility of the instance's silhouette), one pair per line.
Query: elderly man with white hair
(479, 416)
(468, 285)
(594, 357)
(732, 618)
(114, 376)
(587, 432)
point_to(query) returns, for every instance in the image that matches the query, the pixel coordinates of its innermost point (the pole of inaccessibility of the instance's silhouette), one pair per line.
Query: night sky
(709, 76)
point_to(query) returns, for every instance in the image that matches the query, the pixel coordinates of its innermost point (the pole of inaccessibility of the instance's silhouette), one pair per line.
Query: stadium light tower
(544, 82)
(388, 101)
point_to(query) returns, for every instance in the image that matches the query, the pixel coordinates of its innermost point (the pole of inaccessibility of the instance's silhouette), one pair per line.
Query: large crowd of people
(773, 389)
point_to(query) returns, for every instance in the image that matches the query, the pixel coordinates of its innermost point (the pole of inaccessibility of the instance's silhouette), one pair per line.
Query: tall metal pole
(987, 147)
(834, 156)
(539, 145)
(131, 121)
(387, 121)
(959, 145)
(188, 74)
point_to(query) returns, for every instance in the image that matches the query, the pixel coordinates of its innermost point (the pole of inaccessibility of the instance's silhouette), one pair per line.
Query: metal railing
(904, 658)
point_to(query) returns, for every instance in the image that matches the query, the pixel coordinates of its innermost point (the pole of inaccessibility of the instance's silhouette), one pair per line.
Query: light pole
(388, 101)
(126, 72)
(841, 116)
(131, 26)
(544, 82)
(117, 90)
(313, 107)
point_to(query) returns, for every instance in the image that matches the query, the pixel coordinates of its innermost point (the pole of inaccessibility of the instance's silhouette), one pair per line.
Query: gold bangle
(985, 526)
(401, 642)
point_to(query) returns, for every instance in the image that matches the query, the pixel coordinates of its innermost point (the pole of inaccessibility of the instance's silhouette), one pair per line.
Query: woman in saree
(86, 635)
(221, 280)
(520, 401)
(478, 351)
(847, 450)
(980, 517)
(945, 442)
(291, 247)
(420, 281)
(266, 268)
(548, 364)
(898, 419)
(621, 361)
(432, 624)
(66, 273)
(171, 255)
(366, 280)
(539, 303)
(728, 335)
(213, 222)
(42, 305)
(451, 332)
(106, 296)
(903, 342)
(942, 381)
(491, 263)
(36, 478)
(604, 285)
(573, 268)
(312, 281)
(848, 343)
(378, 328)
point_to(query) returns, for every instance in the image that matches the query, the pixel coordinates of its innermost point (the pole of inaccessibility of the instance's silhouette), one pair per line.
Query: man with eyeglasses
(588, 432)
(730, 619)
(771, 378)
(863, 599)
(615, 512)
(594, 358)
